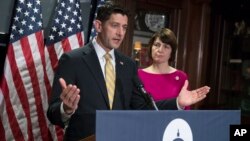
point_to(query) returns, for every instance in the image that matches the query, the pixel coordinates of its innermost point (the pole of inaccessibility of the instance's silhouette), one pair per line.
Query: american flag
(23, 85)
(66, 33)
(93, 31)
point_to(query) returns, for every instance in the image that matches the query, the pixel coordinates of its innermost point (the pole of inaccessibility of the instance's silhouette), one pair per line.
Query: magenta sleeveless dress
(163, 86)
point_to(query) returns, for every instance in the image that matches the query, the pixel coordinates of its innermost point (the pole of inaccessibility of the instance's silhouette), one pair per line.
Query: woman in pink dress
(160, 79)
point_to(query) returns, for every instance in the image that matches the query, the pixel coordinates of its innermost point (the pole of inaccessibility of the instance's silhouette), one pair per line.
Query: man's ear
(98, 26)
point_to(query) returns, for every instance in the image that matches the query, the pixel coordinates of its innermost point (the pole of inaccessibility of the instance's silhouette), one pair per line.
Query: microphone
(137, 82)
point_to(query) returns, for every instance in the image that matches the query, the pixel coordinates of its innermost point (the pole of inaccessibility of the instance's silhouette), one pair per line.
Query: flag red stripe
(66, 45)
(53, 62)
(80, 39)
(47, 85)
(53, 57)
(2, 131)
(40, 44)
(36, 88)
(20, 91)
(59, 133)
(16, 131)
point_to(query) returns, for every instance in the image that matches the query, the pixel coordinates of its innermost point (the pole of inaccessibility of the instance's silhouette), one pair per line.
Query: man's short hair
(105, 11)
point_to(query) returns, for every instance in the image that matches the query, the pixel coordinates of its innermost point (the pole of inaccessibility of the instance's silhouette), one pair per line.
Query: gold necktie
(110, 79)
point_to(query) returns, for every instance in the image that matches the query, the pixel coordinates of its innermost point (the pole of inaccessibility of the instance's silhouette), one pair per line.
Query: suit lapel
(91, 59)
(119, 64)
(119, 100)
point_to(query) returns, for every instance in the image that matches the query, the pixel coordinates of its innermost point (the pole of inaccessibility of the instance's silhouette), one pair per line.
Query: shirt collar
(100, 51)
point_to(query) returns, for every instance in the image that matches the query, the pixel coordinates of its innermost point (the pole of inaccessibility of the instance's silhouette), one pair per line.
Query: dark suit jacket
(81, 67)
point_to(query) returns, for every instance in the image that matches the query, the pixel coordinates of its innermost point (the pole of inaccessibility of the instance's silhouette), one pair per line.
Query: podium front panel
(192, 125)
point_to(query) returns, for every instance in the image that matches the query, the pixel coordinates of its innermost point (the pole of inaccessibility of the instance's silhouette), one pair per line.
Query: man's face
(111, 33)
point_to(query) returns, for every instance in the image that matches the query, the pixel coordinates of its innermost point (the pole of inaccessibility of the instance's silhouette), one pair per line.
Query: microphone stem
(153, 103)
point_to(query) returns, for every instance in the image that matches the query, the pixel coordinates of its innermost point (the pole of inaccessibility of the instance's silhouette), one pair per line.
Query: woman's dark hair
(167, 36)
(104, 11)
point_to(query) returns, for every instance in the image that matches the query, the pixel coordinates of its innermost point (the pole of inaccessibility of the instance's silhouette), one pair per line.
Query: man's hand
(69, 96)
(187, 98)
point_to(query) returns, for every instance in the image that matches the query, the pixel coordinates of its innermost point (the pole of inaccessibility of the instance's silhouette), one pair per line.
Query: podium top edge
(149, 111)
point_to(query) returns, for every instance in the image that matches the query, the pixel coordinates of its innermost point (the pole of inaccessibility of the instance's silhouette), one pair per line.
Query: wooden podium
(89, 138)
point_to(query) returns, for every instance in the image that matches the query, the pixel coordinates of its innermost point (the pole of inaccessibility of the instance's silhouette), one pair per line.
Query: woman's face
(161, 52)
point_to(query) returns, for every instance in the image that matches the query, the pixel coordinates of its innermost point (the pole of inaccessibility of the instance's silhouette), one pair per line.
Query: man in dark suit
(79, 87)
